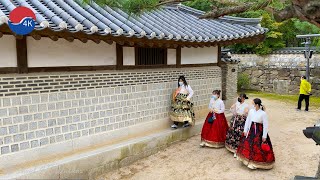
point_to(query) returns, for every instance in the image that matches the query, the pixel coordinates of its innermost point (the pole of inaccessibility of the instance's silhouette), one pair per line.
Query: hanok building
(88, 75)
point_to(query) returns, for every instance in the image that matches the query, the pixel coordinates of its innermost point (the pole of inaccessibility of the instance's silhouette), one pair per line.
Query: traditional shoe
(250, 166)
(202, 144)
(173, 126)
(186, 125)
(235, 155)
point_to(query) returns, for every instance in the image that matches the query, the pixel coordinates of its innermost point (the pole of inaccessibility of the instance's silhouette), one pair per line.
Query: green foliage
(273, 39)
(203, 5)
(243, 81)
(314, 101)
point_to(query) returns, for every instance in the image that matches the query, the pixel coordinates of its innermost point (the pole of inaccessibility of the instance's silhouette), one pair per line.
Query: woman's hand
(264, 139)
(245, 134)
(215, 110)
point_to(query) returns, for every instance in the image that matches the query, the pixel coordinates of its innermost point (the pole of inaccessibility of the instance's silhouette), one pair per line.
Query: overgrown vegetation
(243, 81)
(314, 101)
(281, 34)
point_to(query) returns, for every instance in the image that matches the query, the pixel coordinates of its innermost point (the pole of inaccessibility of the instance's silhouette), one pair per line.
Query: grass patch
(314, 101)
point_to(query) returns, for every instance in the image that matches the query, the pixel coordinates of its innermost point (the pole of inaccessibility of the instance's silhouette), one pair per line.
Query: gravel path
(295, 154)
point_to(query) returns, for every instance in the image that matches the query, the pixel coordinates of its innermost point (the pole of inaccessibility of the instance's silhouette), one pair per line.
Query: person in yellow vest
(305, 92)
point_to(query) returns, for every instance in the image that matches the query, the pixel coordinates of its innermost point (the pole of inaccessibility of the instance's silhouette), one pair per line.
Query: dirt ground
(295, 154)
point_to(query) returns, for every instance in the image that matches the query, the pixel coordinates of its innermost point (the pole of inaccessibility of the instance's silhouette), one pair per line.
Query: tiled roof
(227, 57)
(176, 22)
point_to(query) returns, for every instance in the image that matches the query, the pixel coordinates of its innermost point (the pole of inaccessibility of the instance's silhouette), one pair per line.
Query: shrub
(243, 81)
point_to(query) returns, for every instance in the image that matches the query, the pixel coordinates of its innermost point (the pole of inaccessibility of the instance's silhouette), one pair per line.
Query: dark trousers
(301, 98)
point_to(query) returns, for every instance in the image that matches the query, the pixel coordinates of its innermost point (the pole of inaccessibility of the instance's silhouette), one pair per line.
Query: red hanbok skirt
(214, 134)
(250, 152)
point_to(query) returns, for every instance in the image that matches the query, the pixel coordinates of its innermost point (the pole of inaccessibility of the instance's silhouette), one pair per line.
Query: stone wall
(229, 83)
(279, 73)
(45, 114)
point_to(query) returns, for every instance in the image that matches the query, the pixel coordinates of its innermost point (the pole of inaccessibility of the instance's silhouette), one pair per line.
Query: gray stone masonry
(279, 73)
(36, 119)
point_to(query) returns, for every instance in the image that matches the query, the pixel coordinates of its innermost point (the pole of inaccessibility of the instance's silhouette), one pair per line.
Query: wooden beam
(97, 41)
(131, 43)
(54, 38)
(108, 41)
(84, 40)
(178, 57)
(36, 36)
(119, 52)
(70, 68)
(70, 39)
(219, 56)
(22, 56)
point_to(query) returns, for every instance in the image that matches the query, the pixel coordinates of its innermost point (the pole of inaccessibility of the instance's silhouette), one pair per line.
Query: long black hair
(184, 81)
(259, 102)
(243, 96)
(217, 92)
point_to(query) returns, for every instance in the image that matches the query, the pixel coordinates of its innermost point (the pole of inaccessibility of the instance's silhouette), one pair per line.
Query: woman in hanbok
(215, 127)
(240, 111)
(255, 148)
(182, 107)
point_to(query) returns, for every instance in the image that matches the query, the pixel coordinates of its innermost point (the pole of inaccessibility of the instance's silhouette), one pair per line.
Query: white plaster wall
(48, 53)
(172, 56)
(8, 52)
(199, 55)
(128, 56)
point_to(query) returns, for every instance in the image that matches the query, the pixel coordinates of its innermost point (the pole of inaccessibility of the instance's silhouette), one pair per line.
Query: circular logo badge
(22, 20)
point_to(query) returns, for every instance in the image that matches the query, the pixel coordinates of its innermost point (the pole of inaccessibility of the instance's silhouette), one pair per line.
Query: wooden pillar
(178, 57)
(22, 55)
(219, 56)
(119, 50)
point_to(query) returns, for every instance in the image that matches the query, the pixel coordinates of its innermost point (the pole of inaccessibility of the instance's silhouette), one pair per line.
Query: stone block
(26, 100)
(13, 111)
(42, 124)
(13, 129)
(52, 140)
(17, 119)
(33, 108)
(7, 121)
(35, 99)
(23, 110)
(8, 140)
(14, 147)
(59, 138)
(18, 138)
(49, 132)
(65, 129)
(52, 122)
(3, 112)
(6, 102)
(5, 150)
(68, 136)
(37, 116)
(44, 98)
(16, 101)
(30, 135)
(23, 127)
(40, 134)
(24, 145)
(34, 143)
(51, 106)
(33, 125)
(44, 141)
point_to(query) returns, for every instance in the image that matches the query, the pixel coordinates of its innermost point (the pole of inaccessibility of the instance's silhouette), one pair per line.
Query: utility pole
(307, 53)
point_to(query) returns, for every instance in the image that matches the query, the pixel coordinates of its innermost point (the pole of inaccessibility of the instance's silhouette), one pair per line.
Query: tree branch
(215, 13)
